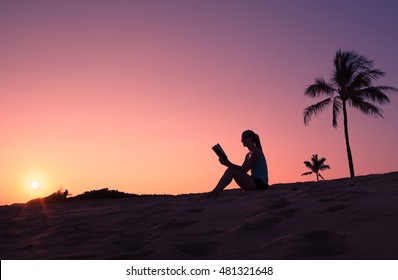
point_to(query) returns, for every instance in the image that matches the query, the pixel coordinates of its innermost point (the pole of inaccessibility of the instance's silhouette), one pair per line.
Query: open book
(219, 151)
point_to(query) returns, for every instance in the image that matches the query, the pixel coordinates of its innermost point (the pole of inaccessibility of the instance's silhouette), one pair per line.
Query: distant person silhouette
(254, 161)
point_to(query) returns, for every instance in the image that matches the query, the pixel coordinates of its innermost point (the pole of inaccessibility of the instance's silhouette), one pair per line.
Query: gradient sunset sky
(132, 95)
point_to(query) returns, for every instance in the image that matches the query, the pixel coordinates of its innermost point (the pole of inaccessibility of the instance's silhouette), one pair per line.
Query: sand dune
(337, 219)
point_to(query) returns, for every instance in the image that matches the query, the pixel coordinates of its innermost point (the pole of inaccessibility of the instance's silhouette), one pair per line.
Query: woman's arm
(229, 164)
(249, 162)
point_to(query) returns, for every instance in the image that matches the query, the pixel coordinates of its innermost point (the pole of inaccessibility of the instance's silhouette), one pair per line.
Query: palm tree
(315, 166)
(350, 83)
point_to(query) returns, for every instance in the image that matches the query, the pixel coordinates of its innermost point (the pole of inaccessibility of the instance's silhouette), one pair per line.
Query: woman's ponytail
(255, 137)
(257, 141)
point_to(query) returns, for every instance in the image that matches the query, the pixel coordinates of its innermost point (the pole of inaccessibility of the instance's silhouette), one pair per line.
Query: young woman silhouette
(254, 161)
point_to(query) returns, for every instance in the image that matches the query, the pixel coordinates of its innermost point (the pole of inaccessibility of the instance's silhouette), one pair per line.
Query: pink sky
(131, 95)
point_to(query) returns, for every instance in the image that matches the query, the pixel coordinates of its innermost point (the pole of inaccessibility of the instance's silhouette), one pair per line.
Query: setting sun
(35, 185)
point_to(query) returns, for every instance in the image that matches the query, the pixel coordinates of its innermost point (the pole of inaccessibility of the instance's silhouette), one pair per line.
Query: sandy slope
(339, 219)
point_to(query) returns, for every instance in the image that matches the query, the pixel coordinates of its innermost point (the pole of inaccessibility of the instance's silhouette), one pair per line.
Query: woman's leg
(243, 180)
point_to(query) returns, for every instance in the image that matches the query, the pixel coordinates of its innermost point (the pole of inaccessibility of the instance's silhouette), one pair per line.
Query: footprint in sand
(324, 243)
(288, 213)
(259, 222)
(130, 245)
(319, 244)
(280, 203)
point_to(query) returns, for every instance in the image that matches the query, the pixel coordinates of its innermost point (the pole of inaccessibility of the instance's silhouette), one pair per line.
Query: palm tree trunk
(347, 141)
(317, 177)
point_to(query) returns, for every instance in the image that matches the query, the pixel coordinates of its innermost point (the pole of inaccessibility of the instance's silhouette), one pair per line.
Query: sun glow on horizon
(35, 185)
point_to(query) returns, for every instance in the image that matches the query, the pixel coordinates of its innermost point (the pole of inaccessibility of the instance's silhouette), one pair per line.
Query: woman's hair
(254, 137)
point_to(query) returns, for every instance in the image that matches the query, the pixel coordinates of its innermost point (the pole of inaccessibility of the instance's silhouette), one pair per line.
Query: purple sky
(133, 94)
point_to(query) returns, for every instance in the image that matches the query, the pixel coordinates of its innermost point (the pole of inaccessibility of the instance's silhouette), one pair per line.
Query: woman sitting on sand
(254, 161)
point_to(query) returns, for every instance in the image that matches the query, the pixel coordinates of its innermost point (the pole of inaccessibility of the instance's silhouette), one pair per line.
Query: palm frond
(320, 87)
(319, 164)
(365, 107)
(308, 164)
(377, 93)
(347, 64)
(321, 176)
(324, 167)
(315, 109)
(343, 69)
(321, 161)
(314, 158)
(365, 78)
(306, 173)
